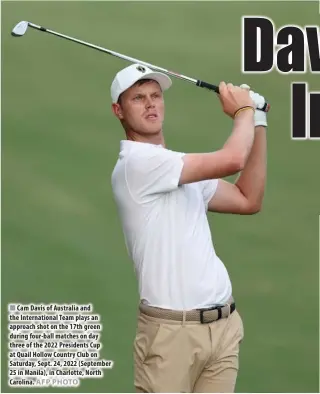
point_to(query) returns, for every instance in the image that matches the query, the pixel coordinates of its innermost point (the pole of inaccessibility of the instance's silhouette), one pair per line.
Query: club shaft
(113, 53)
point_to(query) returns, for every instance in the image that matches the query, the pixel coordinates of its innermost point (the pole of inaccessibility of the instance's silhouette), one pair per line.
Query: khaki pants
(185, 357)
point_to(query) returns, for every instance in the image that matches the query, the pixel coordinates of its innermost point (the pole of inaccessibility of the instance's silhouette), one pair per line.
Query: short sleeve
(153, 171)
(208, 189)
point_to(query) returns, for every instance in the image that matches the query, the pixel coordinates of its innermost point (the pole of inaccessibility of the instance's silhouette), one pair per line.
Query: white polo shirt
(166, 230)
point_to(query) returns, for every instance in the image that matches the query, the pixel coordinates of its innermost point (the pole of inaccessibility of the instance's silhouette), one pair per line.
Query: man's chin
(152, 129)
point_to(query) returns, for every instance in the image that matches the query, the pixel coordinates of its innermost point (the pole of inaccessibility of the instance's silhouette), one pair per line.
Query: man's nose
(149, 102)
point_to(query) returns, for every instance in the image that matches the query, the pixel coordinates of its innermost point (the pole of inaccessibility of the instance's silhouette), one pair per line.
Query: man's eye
(137, 97)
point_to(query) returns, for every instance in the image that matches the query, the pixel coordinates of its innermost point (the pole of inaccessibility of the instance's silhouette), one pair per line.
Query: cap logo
(141, 69)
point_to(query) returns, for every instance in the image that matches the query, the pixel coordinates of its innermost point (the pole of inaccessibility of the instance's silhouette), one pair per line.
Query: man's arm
(234, 154)
(245, 196)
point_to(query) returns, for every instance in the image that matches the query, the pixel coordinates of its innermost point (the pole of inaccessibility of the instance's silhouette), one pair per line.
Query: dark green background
(61, 238)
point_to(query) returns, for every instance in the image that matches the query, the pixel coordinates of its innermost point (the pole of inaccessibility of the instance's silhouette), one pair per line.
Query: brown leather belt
(206, 315)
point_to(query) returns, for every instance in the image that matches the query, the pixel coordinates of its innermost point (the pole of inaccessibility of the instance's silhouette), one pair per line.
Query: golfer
(188, 329)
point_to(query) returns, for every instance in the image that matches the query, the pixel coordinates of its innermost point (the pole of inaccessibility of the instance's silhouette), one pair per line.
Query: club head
(19, 29)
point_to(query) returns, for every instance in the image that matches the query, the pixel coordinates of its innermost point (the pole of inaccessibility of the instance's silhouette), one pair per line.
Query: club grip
(207, 85)
(215, 88)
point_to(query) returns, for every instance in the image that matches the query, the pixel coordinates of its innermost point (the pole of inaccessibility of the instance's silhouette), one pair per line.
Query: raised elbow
(253, 209)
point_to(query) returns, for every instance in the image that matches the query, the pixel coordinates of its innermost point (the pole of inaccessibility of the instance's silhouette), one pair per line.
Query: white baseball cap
(128, 76)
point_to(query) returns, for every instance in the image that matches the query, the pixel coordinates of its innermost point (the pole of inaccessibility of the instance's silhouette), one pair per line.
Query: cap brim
(163, 80)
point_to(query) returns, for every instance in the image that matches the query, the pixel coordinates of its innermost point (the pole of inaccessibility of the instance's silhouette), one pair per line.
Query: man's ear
(116, 109)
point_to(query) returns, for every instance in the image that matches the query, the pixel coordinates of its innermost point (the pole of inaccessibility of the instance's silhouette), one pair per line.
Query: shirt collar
(128, 144)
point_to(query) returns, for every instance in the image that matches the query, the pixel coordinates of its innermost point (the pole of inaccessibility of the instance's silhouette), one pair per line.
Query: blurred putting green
(61, 238)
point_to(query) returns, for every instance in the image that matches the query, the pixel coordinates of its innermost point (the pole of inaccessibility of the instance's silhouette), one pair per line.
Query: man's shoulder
(151, 153)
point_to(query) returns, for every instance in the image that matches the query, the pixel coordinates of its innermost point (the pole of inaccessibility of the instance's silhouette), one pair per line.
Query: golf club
(21, 28)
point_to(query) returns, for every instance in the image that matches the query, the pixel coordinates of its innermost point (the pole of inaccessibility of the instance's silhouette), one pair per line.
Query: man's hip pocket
(147, 332)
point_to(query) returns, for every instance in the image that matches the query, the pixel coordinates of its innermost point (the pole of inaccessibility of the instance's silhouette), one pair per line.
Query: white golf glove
(260, 117)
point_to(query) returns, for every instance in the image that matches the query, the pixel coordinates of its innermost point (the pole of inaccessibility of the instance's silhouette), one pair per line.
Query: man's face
(141, 108)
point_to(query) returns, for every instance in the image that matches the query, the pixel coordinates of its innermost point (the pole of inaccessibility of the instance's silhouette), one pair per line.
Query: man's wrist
(245, 114)
(260, 128)
(244, 109)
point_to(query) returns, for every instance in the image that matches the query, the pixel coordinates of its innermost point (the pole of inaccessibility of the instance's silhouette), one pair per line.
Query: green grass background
(61, 238)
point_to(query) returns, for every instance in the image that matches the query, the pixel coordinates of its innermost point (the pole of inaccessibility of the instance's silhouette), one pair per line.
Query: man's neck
(156, 139)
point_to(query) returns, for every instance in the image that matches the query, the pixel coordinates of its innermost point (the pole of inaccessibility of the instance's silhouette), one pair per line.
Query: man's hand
(260, 117)
(233, 98)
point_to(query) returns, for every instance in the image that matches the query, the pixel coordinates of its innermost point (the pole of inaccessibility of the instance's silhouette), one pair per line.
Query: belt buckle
(210, 309)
